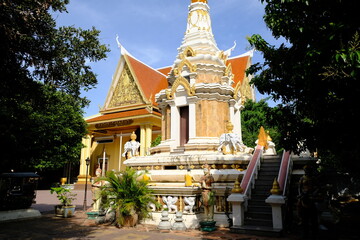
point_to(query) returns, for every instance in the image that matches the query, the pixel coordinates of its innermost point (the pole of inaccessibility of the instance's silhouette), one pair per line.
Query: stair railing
(284, 171)
(276, 199)
(248, 181)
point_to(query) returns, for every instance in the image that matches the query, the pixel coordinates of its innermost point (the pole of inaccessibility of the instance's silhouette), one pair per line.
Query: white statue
(131, 148)
(170, 203)
(152, 207)
(190, 201)
(230, 142)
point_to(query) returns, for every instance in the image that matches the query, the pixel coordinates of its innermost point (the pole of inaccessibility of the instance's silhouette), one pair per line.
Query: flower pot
(130, 221)
(59, 210)
(64, 211)
(69, 211)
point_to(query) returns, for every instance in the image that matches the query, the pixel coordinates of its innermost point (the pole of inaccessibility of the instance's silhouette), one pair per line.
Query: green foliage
(253, 116)
(315, 74)
(43, 70)
(65, 196)
(157, 141)
(127, 194)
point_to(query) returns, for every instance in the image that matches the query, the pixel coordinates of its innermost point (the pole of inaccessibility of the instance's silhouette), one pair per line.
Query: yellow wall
(211, 118)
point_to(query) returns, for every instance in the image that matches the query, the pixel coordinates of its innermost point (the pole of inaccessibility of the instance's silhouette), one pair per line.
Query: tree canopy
(253, 116)
(43, 70)
(315, 74)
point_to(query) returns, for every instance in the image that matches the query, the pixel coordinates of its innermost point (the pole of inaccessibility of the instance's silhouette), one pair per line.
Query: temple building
(188, 104)
(194, 106)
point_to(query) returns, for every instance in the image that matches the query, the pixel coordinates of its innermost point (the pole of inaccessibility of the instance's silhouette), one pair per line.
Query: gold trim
(188, 52)
(228, 70)
(180, 81)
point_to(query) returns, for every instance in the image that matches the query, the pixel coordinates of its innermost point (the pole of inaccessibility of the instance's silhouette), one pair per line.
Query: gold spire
(276, 188)
(262, 138)
(237, 188)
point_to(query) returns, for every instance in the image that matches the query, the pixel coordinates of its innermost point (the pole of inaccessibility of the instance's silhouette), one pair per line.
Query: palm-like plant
(127, 194)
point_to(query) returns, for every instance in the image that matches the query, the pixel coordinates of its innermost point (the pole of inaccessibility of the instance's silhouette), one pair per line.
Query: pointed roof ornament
(248, 53)
(123, 51)
(228, 52)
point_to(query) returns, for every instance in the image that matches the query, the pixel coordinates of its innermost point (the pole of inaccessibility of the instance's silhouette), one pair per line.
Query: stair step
(267, 173)
(258, 222)
(258, 215)
(266, 178)
(257, 230)
(258, 209)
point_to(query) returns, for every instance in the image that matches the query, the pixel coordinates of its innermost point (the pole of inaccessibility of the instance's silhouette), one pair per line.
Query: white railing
(248, 181)
(284, 171)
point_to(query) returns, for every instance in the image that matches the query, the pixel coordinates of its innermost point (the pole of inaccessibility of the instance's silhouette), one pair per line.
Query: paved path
(79, 227)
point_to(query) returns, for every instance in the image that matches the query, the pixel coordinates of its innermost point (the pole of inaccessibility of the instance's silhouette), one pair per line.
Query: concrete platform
(19, 214)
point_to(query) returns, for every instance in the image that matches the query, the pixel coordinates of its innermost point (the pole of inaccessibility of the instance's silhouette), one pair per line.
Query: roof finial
(117, 40)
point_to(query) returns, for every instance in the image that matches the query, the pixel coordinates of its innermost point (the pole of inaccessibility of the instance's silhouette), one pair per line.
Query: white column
(231, 112)
(276, 201)
(175, 124)
(238, 208)
(192, 116)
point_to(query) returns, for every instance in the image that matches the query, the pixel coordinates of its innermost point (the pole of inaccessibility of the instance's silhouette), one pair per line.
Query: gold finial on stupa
(229, 127)
(275, 188)
(237, 188)
(268, 135)
(262, 138)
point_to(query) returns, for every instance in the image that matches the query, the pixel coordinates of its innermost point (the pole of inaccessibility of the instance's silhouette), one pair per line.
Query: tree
(43, 71)
(315, 74)
(253, 116)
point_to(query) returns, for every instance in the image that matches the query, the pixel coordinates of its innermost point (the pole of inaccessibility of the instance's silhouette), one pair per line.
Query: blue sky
(152, 30)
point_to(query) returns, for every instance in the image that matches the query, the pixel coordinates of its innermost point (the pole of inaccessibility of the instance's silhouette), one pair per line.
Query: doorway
(184, 125)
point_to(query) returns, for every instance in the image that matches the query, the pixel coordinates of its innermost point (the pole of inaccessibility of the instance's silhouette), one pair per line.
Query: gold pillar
(85, 153)
(148, 137)
(142, 140)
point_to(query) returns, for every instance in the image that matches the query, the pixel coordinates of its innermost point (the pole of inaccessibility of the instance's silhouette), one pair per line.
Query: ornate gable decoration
(126, 91)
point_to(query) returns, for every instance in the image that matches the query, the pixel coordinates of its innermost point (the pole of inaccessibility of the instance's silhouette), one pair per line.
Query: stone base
(207, 226)
(191, 221)
(20, 214)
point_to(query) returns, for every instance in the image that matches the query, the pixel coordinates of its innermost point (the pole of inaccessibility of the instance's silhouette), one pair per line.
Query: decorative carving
(199, 20)
(180, 81)
(189, 204)
(230, 142)
(170, 203)
(228, 70)
(184, 62)
(126, 91)
(245, 90)
(188, 52)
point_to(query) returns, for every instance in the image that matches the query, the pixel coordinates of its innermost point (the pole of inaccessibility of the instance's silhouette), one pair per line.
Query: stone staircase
(258, 217)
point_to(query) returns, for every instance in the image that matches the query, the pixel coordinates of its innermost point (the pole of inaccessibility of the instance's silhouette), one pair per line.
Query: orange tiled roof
(165, 70)
(150, 80)
(238, 65)
(124, 114)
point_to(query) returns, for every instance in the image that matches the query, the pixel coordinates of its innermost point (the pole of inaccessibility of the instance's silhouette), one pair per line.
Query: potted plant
(66, 197)
(128, 194)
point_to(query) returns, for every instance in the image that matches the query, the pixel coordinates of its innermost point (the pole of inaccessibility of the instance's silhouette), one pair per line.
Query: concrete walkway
(79, 227)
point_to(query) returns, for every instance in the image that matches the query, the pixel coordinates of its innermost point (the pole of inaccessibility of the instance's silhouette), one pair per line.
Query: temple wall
(206, 78)
(211, 117)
